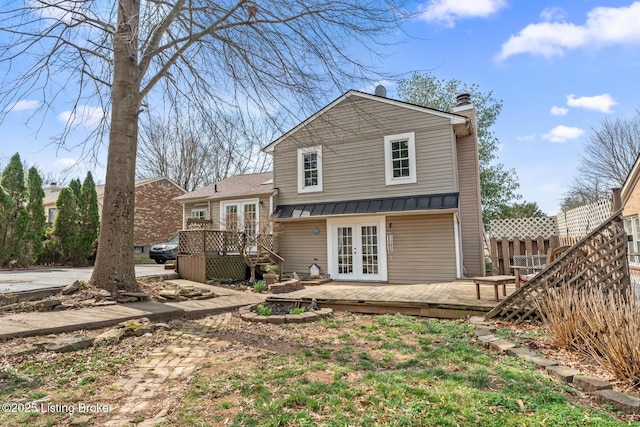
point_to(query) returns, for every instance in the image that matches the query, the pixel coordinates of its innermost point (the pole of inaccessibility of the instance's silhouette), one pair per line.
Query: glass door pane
(250, 219)
(345, 250)
(369, 249)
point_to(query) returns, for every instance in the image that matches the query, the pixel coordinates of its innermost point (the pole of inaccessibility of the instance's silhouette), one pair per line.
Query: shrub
(272, 268)
(297, 310)
(263, 311)
(601, 323)
(260, 286)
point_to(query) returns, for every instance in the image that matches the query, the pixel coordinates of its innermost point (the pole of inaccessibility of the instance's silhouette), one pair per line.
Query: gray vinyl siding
(300, 247)
(353, 165)
(423, 249)
(470, 205)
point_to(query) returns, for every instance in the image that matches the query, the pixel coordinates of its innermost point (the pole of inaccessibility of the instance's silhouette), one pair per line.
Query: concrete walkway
(34, 279)
(51, 322)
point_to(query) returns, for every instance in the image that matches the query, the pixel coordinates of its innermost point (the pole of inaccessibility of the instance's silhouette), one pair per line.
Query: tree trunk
(114, 268)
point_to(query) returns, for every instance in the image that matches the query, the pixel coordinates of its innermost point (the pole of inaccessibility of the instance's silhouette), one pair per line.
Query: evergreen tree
(6, 213)
(88, 214)
(67, 227)
(76, 187)
(17, 218)
(37, 218)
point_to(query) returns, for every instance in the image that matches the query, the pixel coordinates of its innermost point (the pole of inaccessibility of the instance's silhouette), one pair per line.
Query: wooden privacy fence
(598, 260)
(503, 249)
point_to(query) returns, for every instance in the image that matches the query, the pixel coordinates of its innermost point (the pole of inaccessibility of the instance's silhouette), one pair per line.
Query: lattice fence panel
(598, 260)
(581, 220)
(521, 227)
(230, 267)
(207, 241)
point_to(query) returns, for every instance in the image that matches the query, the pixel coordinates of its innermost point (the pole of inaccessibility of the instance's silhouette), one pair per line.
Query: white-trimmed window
(400, 158)
(309, 169)
(200, 212)
(632, 227)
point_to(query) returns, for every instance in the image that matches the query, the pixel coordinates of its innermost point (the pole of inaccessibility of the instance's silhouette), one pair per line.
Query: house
(374, 189)
(157, 218)
(630, 200)
(246, 200)
(367, 189)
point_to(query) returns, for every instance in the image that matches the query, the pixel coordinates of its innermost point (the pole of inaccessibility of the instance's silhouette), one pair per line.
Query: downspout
(184, 216)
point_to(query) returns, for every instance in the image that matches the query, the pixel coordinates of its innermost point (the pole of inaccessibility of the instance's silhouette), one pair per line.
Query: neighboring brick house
(157, 218)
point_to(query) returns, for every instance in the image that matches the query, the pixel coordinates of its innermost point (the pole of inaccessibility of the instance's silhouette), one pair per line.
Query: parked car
(161, 252)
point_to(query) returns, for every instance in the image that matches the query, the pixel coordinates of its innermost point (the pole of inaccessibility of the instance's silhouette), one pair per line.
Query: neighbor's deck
(443, 300)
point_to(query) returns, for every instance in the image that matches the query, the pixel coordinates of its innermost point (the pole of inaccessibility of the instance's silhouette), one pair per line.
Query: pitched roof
(456, 119)
(234, 186)
(631, 181)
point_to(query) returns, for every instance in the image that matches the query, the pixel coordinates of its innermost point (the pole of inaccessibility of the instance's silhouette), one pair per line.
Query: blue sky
(560, 67)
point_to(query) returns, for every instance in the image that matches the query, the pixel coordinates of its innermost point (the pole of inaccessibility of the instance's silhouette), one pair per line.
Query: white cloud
(559, 111)
(25, 104)
(604, 26)
(84, 115)
(447, 12)
(526, 137)
(553, 14)
(602, 103)
(563, 134)
(59, 10)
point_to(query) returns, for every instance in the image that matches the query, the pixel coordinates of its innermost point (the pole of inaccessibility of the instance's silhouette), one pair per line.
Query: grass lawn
(388, 371)
(346, 370)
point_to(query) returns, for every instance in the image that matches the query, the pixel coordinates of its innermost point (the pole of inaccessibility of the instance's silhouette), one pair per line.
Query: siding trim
(458, 245)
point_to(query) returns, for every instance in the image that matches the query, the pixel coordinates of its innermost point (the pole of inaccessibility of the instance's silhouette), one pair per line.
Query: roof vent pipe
(215, 188)
(381, 91)
(463, 99)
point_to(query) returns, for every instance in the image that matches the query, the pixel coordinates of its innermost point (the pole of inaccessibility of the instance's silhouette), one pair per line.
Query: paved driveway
(43, 278)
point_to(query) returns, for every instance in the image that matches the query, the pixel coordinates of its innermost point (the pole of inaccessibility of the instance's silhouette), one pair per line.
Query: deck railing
(204, 241)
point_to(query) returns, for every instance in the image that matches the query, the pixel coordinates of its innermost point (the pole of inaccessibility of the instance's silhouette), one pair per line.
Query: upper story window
(400, 158)
(309, 169)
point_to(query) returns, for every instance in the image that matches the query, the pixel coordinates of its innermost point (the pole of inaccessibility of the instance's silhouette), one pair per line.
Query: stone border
(308, 316)
(287, 286)
(600, 389)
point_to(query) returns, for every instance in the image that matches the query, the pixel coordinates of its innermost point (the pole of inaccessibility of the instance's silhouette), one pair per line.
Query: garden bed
(279, 313)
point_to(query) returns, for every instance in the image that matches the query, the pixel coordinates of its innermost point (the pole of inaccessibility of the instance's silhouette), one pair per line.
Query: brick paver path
(152, 384)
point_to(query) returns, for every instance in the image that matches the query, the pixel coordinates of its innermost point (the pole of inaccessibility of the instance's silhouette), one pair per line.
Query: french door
(356, 249)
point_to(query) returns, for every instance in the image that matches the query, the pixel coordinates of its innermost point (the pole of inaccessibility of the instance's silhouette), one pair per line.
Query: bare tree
(128, 54)
(609, 154)
(199, 149)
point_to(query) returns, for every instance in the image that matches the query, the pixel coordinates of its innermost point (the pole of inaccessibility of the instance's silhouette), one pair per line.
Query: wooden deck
(442, 300)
